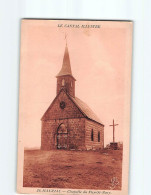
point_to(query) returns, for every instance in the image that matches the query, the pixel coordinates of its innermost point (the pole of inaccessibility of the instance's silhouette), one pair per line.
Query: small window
(71, 84)
(63, 82)
(92, 137)
(98, 136)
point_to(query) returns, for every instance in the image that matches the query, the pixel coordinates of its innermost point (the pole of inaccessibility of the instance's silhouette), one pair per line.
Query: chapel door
(62, 137)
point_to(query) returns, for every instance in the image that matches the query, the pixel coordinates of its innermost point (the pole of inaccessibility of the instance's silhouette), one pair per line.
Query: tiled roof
(66, 68)
(86, 109)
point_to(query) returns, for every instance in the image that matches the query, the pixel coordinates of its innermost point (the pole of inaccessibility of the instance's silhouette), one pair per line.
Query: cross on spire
(114, 130)
(66, 38)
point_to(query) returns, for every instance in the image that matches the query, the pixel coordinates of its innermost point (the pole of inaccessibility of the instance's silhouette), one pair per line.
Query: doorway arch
(62, 137)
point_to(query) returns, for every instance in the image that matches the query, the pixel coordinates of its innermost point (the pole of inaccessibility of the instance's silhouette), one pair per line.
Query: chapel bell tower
(65, 79)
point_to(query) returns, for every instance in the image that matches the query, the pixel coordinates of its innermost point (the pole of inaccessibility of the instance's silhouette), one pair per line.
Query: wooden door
(62, 137)
(62, 140)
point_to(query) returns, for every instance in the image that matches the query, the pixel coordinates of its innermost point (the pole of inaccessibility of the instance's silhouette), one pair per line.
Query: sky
(100, 61)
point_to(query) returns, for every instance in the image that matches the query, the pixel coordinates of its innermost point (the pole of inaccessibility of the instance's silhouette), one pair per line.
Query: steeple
(65, 78)
(66, 67)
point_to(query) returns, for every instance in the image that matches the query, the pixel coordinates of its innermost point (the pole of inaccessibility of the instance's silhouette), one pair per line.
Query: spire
(65, 78)
(66, 67)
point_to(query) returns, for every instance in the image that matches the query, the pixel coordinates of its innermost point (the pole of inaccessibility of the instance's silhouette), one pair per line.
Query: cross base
(114, 146)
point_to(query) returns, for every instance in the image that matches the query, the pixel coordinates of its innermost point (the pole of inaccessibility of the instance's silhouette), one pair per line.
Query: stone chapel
(69, 123)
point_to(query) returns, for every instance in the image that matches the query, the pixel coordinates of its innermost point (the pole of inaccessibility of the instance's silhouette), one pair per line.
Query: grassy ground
(73, 169)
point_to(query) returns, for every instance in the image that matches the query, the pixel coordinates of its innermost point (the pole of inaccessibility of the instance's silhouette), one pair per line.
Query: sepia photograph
(74, 106)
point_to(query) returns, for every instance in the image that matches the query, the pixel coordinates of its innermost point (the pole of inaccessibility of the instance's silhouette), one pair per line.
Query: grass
(73, 169)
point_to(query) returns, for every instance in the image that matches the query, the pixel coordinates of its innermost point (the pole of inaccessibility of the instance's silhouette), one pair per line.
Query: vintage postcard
(74, 107)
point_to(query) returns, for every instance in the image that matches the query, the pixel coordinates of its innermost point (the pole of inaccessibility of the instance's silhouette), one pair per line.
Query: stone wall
(48, 132)
(55, 112)
(76, 133)
(79, 128)
(89, 125)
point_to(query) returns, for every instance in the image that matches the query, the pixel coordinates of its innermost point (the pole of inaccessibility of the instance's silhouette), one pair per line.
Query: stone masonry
(69, 123)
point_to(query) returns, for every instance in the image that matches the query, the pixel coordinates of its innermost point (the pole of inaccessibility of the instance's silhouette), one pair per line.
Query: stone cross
(113, 130)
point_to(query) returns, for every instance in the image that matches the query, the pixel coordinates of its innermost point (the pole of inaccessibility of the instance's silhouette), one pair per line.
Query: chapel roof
(86, 110)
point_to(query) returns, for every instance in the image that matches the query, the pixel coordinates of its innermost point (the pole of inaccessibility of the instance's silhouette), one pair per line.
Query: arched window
(63, 82)
(92, 137)
(98, 136)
